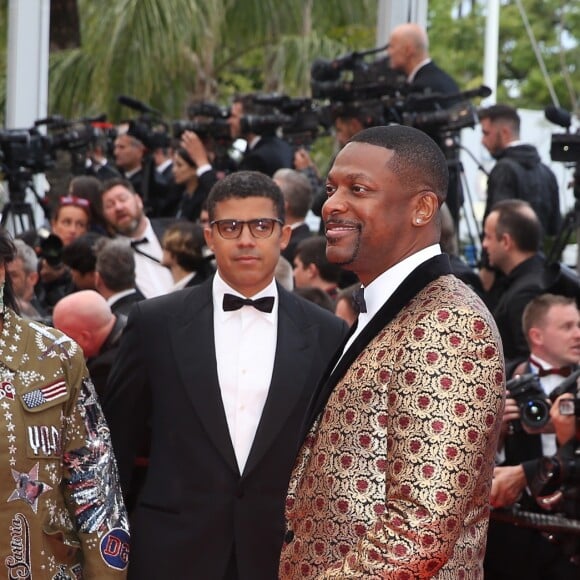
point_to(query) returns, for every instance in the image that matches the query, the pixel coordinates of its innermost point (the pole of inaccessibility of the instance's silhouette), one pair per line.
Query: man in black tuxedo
(115, 275)
(409, 53)
(265, 151)
(297, 194)
(223, 373)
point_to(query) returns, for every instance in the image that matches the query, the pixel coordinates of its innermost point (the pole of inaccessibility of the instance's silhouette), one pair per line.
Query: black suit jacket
(124, 304)
(269, 154)
(195, 507)
(298, 234)
(524, 282)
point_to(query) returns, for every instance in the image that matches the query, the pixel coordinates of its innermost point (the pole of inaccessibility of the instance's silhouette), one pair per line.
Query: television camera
(565, 148)
(27, 152)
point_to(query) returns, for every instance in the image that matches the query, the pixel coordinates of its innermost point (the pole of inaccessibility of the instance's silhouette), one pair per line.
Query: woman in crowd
(192, 173)
(183, 254)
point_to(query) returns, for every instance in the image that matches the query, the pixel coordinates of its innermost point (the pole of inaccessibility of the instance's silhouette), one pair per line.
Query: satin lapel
(409, 288)
(193, 343)
(295, 347)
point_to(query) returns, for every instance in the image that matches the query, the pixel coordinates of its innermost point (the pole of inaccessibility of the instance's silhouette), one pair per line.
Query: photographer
(265, 152)
(551, 325)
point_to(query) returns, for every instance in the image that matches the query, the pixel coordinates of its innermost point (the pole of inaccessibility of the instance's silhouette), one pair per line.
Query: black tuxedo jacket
(195, 508)
(269, 154)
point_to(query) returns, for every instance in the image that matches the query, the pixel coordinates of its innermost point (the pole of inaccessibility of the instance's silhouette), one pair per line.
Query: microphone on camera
(136, 105)
(558, 116)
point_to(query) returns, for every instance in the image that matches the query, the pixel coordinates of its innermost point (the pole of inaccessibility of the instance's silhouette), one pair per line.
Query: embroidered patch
(44, 395)
(44, 440)
(115, 548)
(28, 487)
(18, 563)
(6, 390)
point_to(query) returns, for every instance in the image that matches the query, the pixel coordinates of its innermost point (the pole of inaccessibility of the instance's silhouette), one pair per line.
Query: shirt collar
(383, 287)
(220, 287)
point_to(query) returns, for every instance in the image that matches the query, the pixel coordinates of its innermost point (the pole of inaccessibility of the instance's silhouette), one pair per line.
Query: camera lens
(535, 413)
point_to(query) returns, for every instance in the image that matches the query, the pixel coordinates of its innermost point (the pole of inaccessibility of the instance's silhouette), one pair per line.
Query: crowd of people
(195, 384)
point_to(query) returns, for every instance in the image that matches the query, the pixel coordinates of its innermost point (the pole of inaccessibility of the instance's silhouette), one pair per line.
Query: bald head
(86, 317)
(408, 47)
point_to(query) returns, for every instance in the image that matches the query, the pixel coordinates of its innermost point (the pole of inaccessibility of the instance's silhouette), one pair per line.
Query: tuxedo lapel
(424, 274)
(194, 345)
(294, 347)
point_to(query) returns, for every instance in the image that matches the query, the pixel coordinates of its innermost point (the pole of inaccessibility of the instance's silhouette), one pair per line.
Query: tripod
(17, 214)
(459, 188)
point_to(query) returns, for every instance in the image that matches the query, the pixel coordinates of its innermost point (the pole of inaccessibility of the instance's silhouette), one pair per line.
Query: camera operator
(408, 52)
(551, 324)
(265, 152)
(519, 172)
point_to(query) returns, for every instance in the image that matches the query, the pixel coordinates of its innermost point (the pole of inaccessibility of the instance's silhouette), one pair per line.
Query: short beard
(130, 229)
(354, 254)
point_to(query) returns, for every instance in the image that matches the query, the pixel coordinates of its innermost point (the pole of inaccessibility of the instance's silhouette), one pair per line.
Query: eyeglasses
(74, 200)
(259, 228)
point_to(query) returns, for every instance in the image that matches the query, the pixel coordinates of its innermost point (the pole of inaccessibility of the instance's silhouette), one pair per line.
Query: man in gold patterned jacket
(62, 515)
(394, 475)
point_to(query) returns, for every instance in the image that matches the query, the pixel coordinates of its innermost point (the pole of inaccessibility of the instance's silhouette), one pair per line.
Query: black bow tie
(358, 297)
(232, 302)
(542, 372)
(138, 242)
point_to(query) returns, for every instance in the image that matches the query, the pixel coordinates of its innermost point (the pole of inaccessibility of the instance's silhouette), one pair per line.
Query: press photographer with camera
(551, 324)
(265, 152)
(193, 174)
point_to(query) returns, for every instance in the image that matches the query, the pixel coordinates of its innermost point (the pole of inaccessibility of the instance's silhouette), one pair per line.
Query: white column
(391, 13)
(490, 58)
(27, 81)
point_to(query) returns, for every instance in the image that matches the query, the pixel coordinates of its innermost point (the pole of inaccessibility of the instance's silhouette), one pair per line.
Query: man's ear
(285, 233)
(208, 235)
(426, 208)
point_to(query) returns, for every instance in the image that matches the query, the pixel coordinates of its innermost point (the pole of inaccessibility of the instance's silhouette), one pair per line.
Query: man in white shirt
(223, 372)
(123, 212)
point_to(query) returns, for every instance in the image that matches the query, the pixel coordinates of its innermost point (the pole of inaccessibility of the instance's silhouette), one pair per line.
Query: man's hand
(507, 485)
(194, 146)
(564, 425)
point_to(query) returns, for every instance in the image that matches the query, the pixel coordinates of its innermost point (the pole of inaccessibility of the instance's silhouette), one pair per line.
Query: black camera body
(531, 400)
(207, 120)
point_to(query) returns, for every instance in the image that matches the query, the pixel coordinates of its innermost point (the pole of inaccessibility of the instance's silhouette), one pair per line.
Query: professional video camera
(353, 77)
(531, 400)
(300, 119)
(565, 147)
(207, 120)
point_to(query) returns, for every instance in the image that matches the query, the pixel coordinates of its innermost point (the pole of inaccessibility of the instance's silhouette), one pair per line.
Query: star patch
(28, 487)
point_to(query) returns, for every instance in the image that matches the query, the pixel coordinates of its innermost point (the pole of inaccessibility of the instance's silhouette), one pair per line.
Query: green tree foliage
(168, 52)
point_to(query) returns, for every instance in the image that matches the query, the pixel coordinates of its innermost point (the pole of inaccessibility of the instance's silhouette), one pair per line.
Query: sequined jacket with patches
(394, 476)
(61, 511)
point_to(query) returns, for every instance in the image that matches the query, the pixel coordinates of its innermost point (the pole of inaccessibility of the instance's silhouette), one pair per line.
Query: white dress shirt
(245, 347)
(383, 287)
(152, 278)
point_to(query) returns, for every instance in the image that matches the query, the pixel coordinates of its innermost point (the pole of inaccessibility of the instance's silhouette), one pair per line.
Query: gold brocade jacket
(394, 476)
(61, 511)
